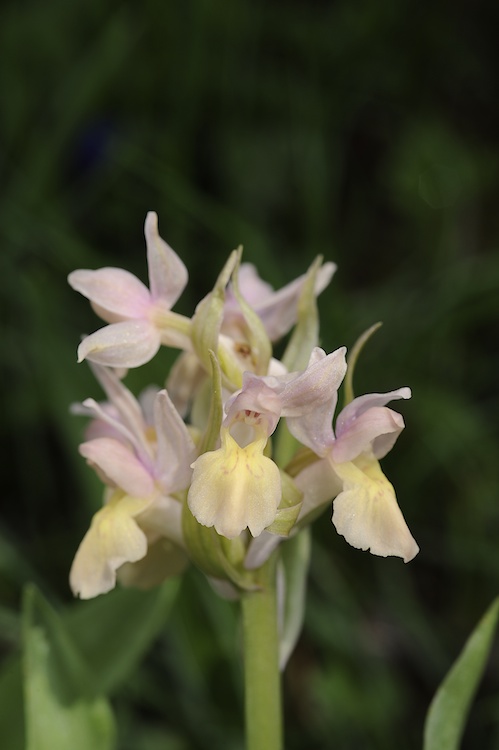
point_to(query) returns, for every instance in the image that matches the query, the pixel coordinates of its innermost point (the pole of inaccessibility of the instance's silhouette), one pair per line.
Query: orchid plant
(227, 466)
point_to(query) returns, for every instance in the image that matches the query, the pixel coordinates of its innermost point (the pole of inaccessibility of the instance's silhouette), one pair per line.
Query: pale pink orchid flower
(143, 467)
(278, 310)
(365, 509)
(236, 486)
(140, 319)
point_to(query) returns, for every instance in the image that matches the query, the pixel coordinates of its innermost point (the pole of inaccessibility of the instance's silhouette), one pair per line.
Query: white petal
(167, 274)
(113, 290)
(128, 344)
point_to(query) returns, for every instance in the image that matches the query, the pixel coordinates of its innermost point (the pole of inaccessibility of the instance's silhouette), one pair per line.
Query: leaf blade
(445, 721)
(61, 708)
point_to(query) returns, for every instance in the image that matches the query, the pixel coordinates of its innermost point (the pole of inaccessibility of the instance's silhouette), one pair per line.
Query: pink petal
(113, 290)
(167, 274)
(377, 427)
(316, 386)
(256, 395)
(126, 405)
(176, 450)
(310, 400)
(120, 465)
(117, 430)
(279, 311)
(315, 429)
(362, 403)
(254, 290)
(130, 343)
(98, 428)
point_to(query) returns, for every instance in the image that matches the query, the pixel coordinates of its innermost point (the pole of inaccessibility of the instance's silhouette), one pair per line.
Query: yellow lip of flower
(366, 512)
(113, 539)
(235, 488)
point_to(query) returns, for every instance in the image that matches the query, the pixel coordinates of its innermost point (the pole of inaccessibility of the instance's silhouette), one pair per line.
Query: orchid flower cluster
(237, 453)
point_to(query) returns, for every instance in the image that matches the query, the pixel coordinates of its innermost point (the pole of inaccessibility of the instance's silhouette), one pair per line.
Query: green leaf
(449, 708)
(114, 631)
(61, 708)
(295, 557)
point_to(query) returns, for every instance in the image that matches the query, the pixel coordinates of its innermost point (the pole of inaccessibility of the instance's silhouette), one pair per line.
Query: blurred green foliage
(367, 132)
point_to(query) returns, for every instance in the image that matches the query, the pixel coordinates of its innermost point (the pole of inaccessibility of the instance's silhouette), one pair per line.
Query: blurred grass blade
(113, 632)
(61, 708)
(449, 709)
(11, 706)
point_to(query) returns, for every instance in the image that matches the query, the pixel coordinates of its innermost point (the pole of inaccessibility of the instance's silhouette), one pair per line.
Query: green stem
(262, 677)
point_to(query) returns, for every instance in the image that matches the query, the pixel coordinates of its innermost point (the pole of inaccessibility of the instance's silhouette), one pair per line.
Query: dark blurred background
(366, 132)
